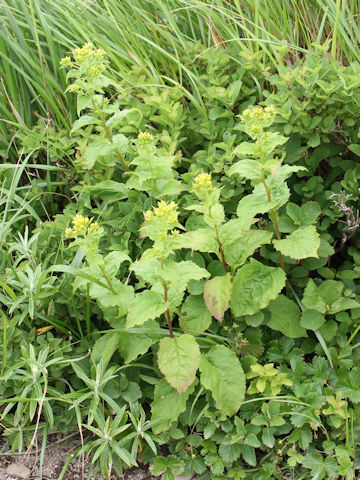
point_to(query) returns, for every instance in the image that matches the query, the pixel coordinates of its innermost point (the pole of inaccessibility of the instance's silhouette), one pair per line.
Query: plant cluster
(192, 303)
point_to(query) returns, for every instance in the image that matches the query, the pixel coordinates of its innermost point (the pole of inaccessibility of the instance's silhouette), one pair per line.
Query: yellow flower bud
(65, 62)
(69, 233)
(144, 138)
(202, 181)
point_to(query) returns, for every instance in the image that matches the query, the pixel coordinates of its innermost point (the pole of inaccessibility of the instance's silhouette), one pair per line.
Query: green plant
(205, 307)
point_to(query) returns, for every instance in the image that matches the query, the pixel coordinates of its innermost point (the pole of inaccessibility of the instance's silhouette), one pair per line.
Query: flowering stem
(107, 278)
(223, 261)
(221, 250)
(273, 213)
(168, 313)
(109, 136)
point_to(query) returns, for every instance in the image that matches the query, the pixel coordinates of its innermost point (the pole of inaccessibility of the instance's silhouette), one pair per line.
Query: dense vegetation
(179, 239)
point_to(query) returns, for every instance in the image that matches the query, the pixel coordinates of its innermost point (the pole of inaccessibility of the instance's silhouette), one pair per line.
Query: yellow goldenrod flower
(144, 138)
(80, 224)
(94, 227)
(69, 233)
(202, 181)
(100, 53)
(65, 62)
(96, 70)
(148, 215)
(270, 109)
(166, 209)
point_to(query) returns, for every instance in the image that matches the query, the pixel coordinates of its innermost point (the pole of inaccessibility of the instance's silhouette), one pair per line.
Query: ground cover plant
(179, 244)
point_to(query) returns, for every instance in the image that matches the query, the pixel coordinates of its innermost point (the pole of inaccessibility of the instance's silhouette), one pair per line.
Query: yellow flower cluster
(81, 225)
(65, 62)
(165, 211)
(96, 70)
(259, 114)
(144, 138)
(94, 227)
(203, 180)
(88, 51)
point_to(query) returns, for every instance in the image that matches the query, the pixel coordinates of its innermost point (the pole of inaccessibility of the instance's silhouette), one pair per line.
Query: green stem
(152, 173)
(221, 250)
(168, 313)
(107, 278)
(273, 213)
(109, 136)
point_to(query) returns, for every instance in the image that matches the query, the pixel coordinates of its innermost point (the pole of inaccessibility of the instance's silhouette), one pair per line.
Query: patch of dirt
(56, 455)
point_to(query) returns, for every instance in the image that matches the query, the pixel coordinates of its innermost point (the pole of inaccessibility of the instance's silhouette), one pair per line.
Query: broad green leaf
(83, 101)
(217, 294)
(302, 243)
(84, 120)
(146, 305)
(234, 229)
(179, 274)
(121, 297)
(330, 291)
(229, 453)
(248, 454)
(178, 360)
(105, 347)
(237, 252)
(321, 468)
(257, 202)
(168, 464)
(249, 169)
(148, 267)
(108, 190)
(245, 148)
(167, 405)
(311, 319)
(286, 171)
(254, 286)
(96, 150)
(121, 142)
(222, 374)
(328, 330)
(131, 345)
(202, 240)
(342, 304)
(268, 438)
(314, 302)
(285, 317)
(272, 140)
(168, 187)
(217, 216)
(305, 215)
(113, 260)
(195, 317)
(355, 149)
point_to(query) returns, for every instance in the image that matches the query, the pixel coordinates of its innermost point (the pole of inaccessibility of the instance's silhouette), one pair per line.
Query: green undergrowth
(179, 245)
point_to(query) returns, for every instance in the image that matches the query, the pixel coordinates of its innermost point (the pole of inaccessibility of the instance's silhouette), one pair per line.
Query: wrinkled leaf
(254, 286)
(217, 295)
(178, 360)
(222, 374)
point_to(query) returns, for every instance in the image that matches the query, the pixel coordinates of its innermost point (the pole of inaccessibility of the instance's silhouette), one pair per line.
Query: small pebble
(18, 471)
